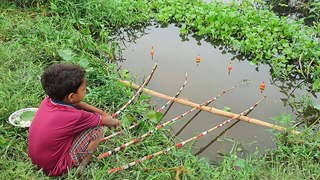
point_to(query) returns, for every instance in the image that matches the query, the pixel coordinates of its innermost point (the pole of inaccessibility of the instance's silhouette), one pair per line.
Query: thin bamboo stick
(211, 109)
(159, 110)
(158, 127)
(139, 89)
(216, 138)
(184, 142)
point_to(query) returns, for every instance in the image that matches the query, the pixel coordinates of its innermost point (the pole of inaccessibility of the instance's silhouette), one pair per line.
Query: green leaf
(125, 74)
(274, 50)
(253, 62)
(183, 29)
(274, 118)
(285, 44)
(67, 54)
(159, 116)
(259, 56)
(130, 118)
(282, 58)
(151, 114)
(140, 125)
(86, 31)
(226, 109)
(83, 63)
(317, 106)
(240, 162)
(287, 51)
(3, 143)
(27, 116)
(125, 71)
(127, 121)
(89, 69)
(316, 84)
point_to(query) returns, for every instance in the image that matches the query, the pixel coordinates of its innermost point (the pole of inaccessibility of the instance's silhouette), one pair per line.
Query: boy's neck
(63, 103)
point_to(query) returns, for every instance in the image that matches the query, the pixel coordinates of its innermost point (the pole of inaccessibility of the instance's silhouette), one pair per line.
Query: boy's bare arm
(88, 107)
(107, 120)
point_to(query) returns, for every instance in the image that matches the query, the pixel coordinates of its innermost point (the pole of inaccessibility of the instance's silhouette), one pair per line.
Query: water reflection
(307, 116)
(125, 37)
(292, 9)
(202, 149)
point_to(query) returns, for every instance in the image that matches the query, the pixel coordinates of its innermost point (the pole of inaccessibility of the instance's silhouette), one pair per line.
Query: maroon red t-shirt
(51, 134)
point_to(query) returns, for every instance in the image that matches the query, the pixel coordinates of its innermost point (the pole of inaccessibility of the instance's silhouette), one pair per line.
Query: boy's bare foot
(91, 148)
(80, 170)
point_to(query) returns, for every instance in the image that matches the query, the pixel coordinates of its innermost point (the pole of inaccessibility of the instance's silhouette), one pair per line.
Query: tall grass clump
(24, 3)
(99, 14)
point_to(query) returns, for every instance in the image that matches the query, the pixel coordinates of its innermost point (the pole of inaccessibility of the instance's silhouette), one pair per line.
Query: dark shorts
(79, 146)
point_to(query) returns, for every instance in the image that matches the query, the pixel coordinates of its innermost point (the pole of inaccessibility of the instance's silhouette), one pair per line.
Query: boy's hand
(110, 122)
(116, 123)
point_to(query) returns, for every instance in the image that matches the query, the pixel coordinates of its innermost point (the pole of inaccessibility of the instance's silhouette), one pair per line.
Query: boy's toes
(80, 171)
(79, 174)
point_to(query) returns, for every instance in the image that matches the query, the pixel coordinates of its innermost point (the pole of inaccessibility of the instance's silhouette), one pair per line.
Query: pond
(176, 55)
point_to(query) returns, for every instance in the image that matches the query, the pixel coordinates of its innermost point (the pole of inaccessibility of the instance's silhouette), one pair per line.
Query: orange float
(229, 67)
(152, 52)
(198, 60)
(262, 86)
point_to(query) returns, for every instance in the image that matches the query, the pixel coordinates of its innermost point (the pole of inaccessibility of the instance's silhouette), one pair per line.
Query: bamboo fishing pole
(211, 109)
(216, 138)
(165, 113)
(185, 125)
(184, 142)
(159, 127)
(159, 110)
(140, 88)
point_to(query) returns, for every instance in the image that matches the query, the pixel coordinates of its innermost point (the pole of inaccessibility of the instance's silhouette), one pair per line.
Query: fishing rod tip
(265, 96)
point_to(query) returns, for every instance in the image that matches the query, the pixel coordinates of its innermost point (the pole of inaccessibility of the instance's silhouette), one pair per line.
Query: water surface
(176, 56)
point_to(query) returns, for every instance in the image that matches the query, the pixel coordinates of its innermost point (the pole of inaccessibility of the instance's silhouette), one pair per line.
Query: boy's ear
(70, 97)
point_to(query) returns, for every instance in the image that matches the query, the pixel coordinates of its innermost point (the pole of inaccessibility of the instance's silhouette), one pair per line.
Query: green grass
(30, 41)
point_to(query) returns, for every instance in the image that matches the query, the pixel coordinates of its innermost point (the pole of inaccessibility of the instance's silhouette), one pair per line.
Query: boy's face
(77, 97)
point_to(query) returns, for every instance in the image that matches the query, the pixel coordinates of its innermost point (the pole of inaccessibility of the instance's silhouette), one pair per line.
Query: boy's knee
(100, 137)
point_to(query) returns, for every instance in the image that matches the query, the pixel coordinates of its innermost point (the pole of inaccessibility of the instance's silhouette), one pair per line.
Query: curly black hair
(59, 80)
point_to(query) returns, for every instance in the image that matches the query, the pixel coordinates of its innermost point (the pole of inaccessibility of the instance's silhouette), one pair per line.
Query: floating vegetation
(245, 82)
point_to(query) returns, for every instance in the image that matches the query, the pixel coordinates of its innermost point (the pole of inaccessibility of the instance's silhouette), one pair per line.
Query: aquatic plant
(250, 28)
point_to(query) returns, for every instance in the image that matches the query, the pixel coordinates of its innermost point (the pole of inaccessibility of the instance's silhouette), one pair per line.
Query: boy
(63, 133)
